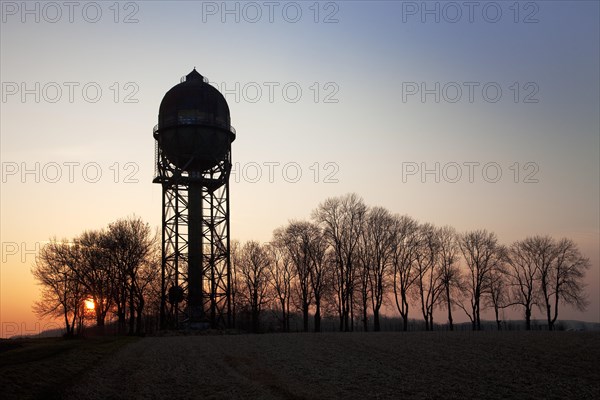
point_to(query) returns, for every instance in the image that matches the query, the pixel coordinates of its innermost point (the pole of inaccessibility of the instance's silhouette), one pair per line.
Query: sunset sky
(357, 96)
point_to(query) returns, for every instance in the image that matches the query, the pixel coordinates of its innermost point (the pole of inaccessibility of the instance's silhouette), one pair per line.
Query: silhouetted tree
(567, 277)
(130, 245)
(448, 266)
(297, 238)
(497, 290)
(253, 272)
(146, 280)
(320, 277)
(561, 270)
(405, 247)
(377, 241)
(282, 274)
(153, 291)
(428, 283)
(62, 293)
(96, 273)
(362, 285)
(481, 252)
(522, 272)
(342, 221)
(235, 252)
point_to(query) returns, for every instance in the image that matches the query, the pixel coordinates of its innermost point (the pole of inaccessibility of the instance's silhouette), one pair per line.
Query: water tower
(193, 163)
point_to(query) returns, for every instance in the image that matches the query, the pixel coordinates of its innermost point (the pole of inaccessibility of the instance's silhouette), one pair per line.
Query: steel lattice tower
(193, 163)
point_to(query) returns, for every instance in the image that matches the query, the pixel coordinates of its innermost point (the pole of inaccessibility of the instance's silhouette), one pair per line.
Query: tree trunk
(346, 313)
(305, 316)
(497, 319)
(527, 318)
(351, 306)
(131, 313)
(423, 306)
(72, 333)
(346, 324)
(342, 311)
(139, 321)
(555, 309)
(283, 319)
(287, 315)
(121, 321)
(431, 320)
(317, 315)
(376, 325)
(404, 313)
(426, 318)
(67, 325)
(255, 321)
(450, 322)
(100, 313)
(121, 313)
(405, 322)
(100, 322)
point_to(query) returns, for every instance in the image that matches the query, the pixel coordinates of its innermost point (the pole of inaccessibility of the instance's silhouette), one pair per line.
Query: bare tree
(96, 273)
(62, 293)
(153, 291)
(320, 278)
(448, 266)
(481, 252)
(522, 273)
(254, 271)
(342, 221)
(147, 278)
(296, 237)
(377, 241)
(235, 249)
(429, 282)
(497, 289)
(362, 283)
(130, 245)
(561, 270)
(404, 249)
(282, 274)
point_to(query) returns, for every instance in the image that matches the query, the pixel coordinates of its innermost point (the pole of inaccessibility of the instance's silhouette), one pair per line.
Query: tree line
(347, 261)
(118, 268)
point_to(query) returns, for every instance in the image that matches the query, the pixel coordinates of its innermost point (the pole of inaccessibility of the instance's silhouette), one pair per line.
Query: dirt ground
(424, 365)
(43, 368)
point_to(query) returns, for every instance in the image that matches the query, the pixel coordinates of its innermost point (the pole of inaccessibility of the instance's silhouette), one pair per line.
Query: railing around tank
(193, 121)
(156, 158)
(204, 79)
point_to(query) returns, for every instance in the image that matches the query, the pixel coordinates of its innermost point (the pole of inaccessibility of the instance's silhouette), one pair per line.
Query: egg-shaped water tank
(194, 129)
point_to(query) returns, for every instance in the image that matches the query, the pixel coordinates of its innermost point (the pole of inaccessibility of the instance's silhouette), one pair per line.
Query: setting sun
(89, 304)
